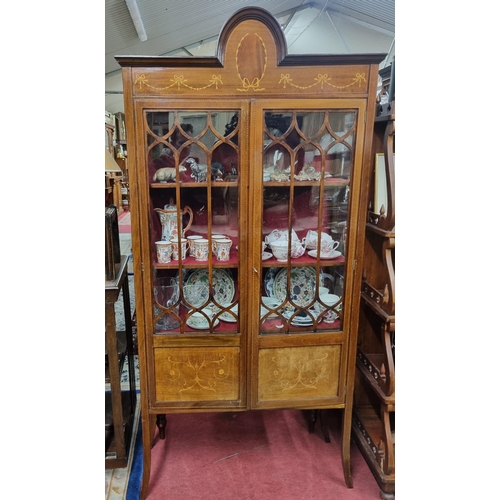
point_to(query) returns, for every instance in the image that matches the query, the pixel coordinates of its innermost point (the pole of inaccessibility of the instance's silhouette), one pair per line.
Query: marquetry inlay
(299, 372)
(251, 62)
(196, 373)
(178, 81)
(321, 80)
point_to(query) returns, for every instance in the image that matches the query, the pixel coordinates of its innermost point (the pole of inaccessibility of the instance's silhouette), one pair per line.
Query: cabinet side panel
(197, 374)
(299, 373)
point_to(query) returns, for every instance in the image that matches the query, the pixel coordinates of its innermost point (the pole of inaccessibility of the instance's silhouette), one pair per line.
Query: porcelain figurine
(167, 174)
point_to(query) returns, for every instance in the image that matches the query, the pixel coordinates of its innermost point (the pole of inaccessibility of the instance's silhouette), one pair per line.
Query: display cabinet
(374, 395)
(248, 194)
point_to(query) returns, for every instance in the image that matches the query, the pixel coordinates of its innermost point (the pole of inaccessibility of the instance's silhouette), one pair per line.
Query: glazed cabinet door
(193, 232)
(307, 159)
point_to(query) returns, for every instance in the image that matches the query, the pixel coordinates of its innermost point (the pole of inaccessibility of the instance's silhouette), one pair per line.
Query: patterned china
(199, 321)
(222, 281)
(311, 240)
(302, 287)
(330, 255)
(168, 220)
(199, 249)
(228, 317)
(163, 251)
(279, 235)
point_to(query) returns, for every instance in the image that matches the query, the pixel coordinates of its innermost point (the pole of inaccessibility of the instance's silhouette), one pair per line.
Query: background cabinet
(374, 401)
(119, 404)
(260, 148)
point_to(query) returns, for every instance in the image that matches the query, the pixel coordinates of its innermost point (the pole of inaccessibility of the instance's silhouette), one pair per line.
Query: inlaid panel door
(305, 185)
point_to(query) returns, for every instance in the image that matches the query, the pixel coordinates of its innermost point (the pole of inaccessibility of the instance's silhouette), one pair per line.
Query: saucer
(333, 255)
(266, 255)
(205, 327)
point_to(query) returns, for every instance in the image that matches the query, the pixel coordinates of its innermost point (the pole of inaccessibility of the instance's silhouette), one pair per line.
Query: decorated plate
(223, 285)
(333, 255)
(302, 285)
(301, 320)
(228, 317)
(269, 280)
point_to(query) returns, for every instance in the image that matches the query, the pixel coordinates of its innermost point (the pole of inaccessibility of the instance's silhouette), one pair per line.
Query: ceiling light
(136, 18)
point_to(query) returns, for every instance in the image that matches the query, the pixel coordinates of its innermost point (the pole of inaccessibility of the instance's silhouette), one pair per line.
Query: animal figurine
(167, 174)
(217, 171)
(198, 172)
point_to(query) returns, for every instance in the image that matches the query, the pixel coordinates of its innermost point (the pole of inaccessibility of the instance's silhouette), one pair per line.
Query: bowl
(280, 250)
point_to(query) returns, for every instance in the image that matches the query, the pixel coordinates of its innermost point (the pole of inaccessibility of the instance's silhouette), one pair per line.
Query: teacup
(199, 249)
(191, 238)
(163, 251)
(311, 239)
(328, 247)
(328, 299)
(175, 248)
(216, 237)
(222, 248)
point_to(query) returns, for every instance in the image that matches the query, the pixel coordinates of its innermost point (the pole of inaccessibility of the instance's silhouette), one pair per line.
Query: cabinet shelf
(377, 230)
(304, 261)
(376, 442)
(329, 182)
(192, 263)
(377, 308)
(371, 367)
(171, 185)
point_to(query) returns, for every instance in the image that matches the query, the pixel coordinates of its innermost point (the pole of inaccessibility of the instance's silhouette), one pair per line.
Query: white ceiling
(191, 27)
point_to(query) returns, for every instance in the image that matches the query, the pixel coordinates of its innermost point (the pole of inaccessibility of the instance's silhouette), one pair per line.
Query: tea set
(281, 249)
(167, 248)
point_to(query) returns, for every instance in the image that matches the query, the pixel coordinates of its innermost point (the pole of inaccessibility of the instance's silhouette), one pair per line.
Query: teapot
(168, 220)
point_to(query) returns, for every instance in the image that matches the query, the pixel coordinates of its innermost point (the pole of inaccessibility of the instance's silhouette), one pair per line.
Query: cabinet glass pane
(307, 157)
(193, 165)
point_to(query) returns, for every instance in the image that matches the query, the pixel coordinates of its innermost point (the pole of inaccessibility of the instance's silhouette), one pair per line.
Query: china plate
(302, 285)
(223, 285)
(266, 255)
(271, 303)
(269, 280)
(229, 318)
(301, 320)
(333, 255)
(216, 322)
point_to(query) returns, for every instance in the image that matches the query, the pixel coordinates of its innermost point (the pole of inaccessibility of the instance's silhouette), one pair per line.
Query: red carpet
(254, 455)
(124, 224)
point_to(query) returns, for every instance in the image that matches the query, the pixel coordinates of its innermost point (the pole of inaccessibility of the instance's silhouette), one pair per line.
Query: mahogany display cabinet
(248, 190)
